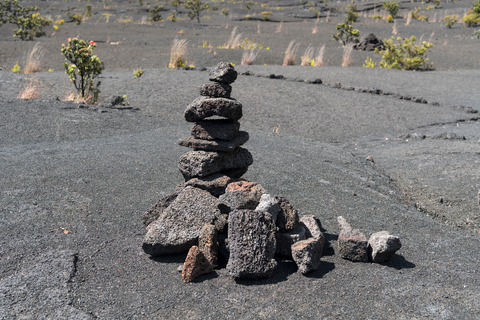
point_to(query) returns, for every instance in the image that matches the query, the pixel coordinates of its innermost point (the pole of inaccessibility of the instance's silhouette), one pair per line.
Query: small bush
(16, 68)
(476, 34)
(137, 73)
(196, 7)
(76, 17)
(406, 55)
(30, 25)
(450, 20)
(88, 11)
(392, 7)
(225, 12)
(471, 20)
(352, 15)
(267, 15)
(154, 13)
(346, 33)
(82, 67)
(290, 54)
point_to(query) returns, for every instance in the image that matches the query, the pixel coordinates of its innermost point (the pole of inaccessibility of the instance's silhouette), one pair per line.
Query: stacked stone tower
(215, 141)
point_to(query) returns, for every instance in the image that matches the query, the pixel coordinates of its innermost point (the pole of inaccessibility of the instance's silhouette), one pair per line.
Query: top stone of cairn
(224, 73)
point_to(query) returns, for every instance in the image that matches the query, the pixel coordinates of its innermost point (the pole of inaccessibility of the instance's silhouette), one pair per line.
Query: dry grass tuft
(249, 56)
(395, 28)
(178, 53)
(327, 19)
(235, 40)
(289, 59)
(347, 55)
(34, 59)
(307, 56)
(315, 28)
(319, 60)
(279, 28)
(409, 18)
(31, 89)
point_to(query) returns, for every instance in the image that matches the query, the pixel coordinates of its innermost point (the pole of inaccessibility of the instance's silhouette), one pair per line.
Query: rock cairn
(219, 218)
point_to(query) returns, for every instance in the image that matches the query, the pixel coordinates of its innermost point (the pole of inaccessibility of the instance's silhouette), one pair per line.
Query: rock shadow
(325, 268)
(399, 262)
(328, 249)
(284, 269)
(170, 258)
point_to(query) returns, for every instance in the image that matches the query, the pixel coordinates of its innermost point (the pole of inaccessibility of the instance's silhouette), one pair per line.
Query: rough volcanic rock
(195, 265)
(208, 243)
(223, 246)
(154, 212)
(369, 42)
(215, 90)
(269, 204)
(352, 244)
(214, 129)
(307, 254)
(204, 107)
(215, 145)
(223, 72)
(314, 227)
(240, 195)
(251, 237)
(179, 226)
(215, 184)
(288, 216)
(286, 239)
(202, 163)
(382, 246)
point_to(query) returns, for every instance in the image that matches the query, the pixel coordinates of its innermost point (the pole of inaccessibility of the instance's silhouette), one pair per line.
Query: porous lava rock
(307, 254)
(286, 239)
(269, 204)
(288, 216)
(352, 244)
(251, 239)
(215, 145)
(382, 246)
(156, 210)
(205, 107)
(179, 225)
(195, 265)
(223, 72)
(215, 183)
(215, 89)
(214, 129)
(241, 195)
(208, 243)
(369, 42)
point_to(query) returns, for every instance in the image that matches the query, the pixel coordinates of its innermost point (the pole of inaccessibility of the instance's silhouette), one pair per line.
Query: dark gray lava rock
(215, 145)
(307, 254)
(251, 237)
(286, 239)
(241, 195)
(223, 246)
(382, 246)
(215, 90)
(208, 243)
(154, 212)
(204, 107)
(288, 216)
(195, 265)
(369, 42)
(269, 204)
(352, 244)
(215, 184)
(179, 226)
(223, 72)
(202, 163)
(215, 129)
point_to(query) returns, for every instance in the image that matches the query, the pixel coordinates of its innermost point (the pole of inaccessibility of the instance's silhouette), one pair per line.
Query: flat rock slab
(202, 163)
(215, 184)
(251, 239)
(352, 244)
(214, 129)
(156, 210)
(204, 107)
(215, 145)
(179, 226)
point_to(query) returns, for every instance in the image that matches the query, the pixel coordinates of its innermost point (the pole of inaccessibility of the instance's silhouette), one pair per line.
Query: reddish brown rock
(241, 195)
(208, 243)
(352, 244)
(195, 265)
(287, 217)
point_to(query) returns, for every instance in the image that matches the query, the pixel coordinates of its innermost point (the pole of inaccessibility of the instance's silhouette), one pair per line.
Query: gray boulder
(215, 145)
(352, 244)
(251, 239)
(382, 246)
(154, 212)
(215, 90)
(269, 204)
(313, 225)
(288, 216)
(215, 184)
(179, 226)
(307, 254)
(202, 163)
(241, 195)
(214, 129)
(223, 72)
(204, 107)
(286, 239)
(369, 42)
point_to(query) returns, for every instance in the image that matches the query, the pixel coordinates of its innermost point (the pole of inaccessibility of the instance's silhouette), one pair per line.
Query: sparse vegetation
(76, 17)
(196, 7)
(346, 33)
(34, 59)
(406, 55)
(391, 7)
(450, 20)
(154, 13)
(16, 68)
(249, 56)
(347, 55)
(267, 15)
(352, 15)
(290, 54)
(178, 53)
(29, 24)
(31, 89)
(137, 73)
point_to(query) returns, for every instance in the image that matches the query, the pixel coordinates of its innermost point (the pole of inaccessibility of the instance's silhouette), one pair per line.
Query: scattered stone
(314, 81)
(208, 243)
(216, 90)
(214, 129)
(369, 42)
(307, 254)
(314, 227)
(154, 212)
(288, 216)
(180, 268)
(195, 265)
(202, 163)
(204, 107)
(382, 246)
(215, 183)
(285, 240)
(223, 72)
(269, 204)
(370, 158)
(352, 244)
(449, 136)
(215, 145)
(241, 195)
(251, 237)
(179, 226)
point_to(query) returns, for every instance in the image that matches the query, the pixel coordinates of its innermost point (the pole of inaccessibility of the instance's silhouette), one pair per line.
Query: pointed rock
(314, 227)
(195, 265)
(205, 107)
(208, 243)
(352, 244)
(269, 204)
(223, 72)
(288, 216)
(382, 246)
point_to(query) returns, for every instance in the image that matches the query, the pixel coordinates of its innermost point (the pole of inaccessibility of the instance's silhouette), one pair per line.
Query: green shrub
(225, 12)
(406, 55)
(392, 7)
(267, 15)
(476, 7)
(76, 17)
(471, 20)
(137, 73)
(82, 68)
(154, 13)
(196, 7)
(30, 25)
(16, 68)
(346, 33)
(476, 34)
(352, 15)
(88, 11)
(450, 20)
